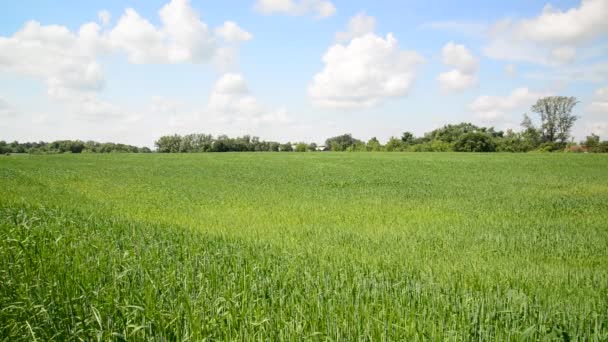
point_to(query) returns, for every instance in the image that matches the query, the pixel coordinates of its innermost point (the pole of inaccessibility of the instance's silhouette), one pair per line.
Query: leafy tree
(408, 138)
(592, 141)
(301, 147)
(531, 136)
(169, 143)
(374, 145)
(594, 145)
(510, 142)
(312, 147)
(556, 117)
(4, 148)
(286, 147)
(394, 145)
(274, 147)
(475, 142)
(341, 142)
(359, 146)
(451, 133)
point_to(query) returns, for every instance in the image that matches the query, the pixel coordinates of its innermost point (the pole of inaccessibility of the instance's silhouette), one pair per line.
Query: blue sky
(146, 68)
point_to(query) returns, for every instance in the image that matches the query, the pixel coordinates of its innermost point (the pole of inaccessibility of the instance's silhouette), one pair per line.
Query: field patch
(322, 246)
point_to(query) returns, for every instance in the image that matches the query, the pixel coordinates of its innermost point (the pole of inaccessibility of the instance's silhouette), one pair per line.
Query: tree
(592, 140)
(312, 147)
(301, 147)
(274, 146)
(556, 117)
(373, 145)
(530, 136)
(408, 138)
(475, 142)
(451, 133)
(286, 147)
(394, 145)
(341, 142)
(169, 143)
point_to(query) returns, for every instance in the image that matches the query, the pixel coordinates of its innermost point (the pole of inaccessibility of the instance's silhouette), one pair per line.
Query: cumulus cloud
(69, 58)
(363, 72)
(67, 61)
(494, 108)
(232, 101)
(551, 38)
(231, 32)
(600, 102)
(183, 37)
(317, 8)
(464, 74)
(358, 26)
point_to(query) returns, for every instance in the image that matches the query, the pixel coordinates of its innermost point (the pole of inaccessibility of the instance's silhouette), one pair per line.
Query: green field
(304, 246)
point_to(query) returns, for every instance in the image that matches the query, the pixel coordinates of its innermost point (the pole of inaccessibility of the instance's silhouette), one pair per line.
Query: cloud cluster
(464, 74)
(551, 38)
(181, 38)
(493, 109)
(364, 72)
(318, 8)
(63, 59)
(67, 61)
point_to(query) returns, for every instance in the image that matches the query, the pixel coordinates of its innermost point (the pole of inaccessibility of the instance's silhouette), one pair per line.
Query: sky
(294, 70)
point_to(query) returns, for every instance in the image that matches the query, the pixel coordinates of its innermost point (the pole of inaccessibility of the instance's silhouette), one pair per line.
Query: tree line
(68, 146)
(551, 134)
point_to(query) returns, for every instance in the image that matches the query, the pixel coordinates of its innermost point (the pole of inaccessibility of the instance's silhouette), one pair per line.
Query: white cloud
(231, 32)
(456, 81)
(600, 102)
(464, 75)
(231, 102)
(494, 108)
(550, 38)
(68, 62)
(358, 26)
(318, 8)
(104, 17)
(364, 72)
(182, 37)
(460, 57)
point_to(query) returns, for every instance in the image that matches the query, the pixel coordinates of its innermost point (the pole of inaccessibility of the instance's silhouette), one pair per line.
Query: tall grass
(312, 246)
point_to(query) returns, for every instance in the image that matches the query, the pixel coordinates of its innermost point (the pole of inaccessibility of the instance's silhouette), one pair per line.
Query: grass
(311, 246)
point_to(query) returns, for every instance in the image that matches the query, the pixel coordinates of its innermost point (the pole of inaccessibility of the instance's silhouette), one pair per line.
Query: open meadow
(304, 246)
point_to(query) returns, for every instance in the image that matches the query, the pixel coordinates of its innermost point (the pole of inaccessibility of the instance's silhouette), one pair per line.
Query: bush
(551, 147)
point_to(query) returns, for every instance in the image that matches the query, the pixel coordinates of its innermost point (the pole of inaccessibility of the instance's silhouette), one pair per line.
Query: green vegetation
(68, 146)
(304, 246)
